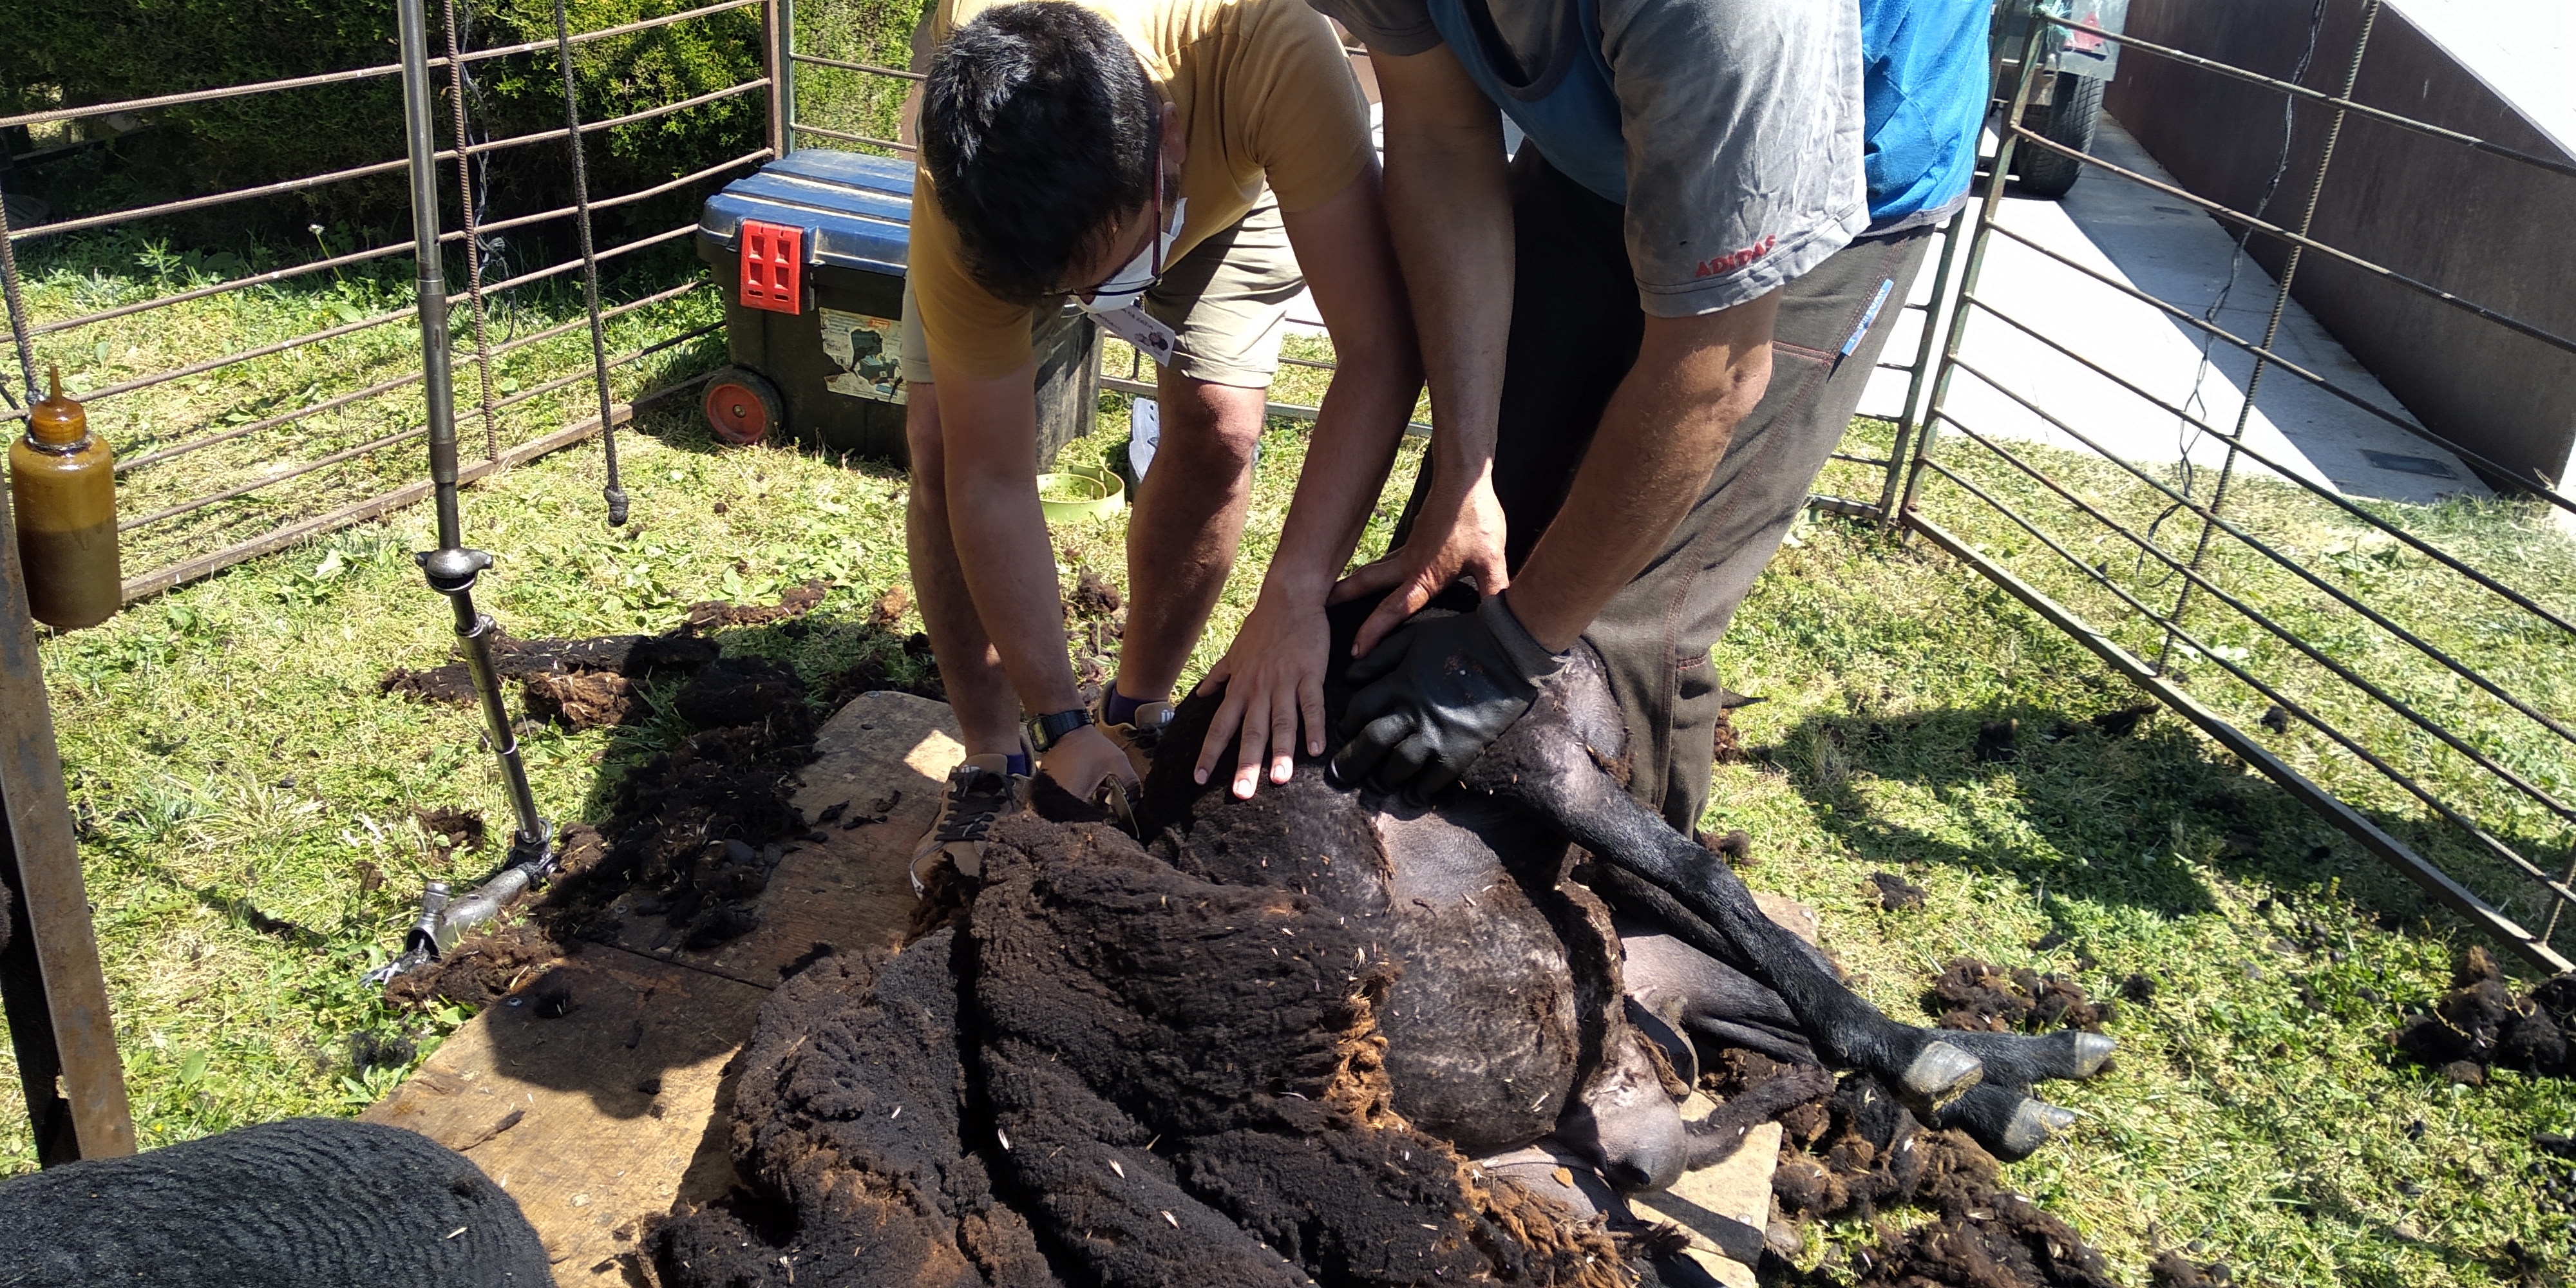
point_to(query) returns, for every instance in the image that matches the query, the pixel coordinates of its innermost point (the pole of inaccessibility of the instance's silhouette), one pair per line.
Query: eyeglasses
(1129, 284)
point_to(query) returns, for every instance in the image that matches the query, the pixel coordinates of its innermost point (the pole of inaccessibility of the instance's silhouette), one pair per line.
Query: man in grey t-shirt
(1638, 337)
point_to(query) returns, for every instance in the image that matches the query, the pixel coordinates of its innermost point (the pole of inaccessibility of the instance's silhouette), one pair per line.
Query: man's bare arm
(1435, 694)
(1449, 209)
(986, 428)
(1002, 544)
(1659, 440)
(1377, 374)
(1275, 667)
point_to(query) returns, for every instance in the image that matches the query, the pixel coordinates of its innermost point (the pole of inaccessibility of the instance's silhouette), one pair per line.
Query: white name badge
(1139, 328)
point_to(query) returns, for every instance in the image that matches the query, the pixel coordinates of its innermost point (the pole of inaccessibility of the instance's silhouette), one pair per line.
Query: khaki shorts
(1227, 298)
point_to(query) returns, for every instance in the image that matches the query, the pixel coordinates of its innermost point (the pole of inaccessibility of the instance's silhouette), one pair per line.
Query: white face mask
(1128, 285)
(1118, 304)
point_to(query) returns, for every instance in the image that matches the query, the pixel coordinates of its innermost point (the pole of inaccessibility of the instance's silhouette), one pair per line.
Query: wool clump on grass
(1976, 995)
(595, 682)
(1860, 1153)
(700, 828)
(736, 784)
(2482, 1023)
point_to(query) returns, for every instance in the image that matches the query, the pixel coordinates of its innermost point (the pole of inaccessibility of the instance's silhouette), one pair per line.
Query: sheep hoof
(1941, 1073)
(2031, 1127)
(2091, 1051)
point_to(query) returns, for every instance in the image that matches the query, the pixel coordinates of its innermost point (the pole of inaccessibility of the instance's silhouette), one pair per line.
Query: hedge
(98, 51)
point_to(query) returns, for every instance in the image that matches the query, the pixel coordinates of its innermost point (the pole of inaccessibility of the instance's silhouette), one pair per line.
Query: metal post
(473, 236)
(16, 304)
(613, 492)
(452, 569)
(1914, 381)
(50, 983)
(782, 71)
(777, 68)
(2271, 335)
(1993, 203)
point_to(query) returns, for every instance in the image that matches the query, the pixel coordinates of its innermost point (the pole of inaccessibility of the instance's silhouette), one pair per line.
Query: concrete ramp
(2171, 250)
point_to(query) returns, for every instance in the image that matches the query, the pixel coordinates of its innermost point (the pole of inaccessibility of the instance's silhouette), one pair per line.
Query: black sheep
(305, 1203)
(1321, 1036)
(1508, 1014)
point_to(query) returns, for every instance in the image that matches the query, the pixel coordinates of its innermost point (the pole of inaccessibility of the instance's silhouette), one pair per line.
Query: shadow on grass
(842, 649)
(241, 911)
(2132, 814)
(679, 423)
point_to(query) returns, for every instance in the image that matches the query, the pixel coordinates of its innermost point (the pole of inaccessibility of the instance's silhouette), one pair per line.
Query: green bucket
(1081, 492)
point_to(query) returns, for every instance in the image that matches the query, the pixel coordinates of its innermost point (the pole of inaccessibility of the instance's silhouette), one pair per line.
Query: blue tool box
(810, 253)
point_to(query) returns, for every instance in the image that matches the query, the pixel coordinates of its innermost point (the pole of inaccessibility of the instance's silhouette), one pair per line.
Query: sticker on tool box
(869, 351)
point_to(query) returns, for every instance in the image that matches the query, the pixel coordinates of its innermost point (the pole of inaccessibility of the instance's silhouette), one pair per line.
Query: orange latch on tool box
(773, 267)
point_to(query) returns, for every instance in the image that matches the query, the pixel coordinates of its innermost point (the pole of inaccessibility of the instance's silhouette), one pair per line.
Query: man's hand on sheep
(1435, 694)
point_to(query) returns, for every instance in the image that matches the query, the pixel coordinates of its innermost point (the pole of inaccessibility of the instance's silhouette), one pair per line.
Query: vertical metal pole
(473, 238)
(782, 61)
(614, 492)
(2558, 903)
(1986, 212)
(2271, 333)
(436, 379)
(17, 307)
(452, 569)
(777, 66)
(1915, 381)
(50, 983)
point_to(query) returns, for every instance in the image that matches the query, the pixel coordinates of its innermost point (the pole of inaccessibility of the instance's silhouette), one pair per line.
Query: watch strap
(1046, 729)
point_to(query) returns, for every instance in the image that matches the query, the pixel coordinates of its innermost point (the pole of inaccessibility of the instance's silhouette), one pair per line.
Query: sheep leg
(1553, 775)
(1714, 1138)
(2018, 1061)
(1721, 1002)
(2008, 1121)
(1706, 997)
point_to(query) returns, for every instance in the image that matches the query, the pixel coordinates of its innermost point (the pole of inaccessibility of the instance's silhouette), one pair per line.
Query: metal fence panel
(242, 475)
(2403, 681)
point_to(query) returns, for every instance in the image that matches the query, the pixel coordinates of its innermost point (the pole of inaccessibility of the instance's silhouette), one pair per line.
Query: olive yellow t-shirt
(1264, 93)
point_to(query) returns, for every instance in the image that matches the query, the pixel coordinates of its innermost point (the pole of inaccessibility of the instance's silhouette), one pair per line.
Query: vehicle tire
(741, 406)
(2070, 119)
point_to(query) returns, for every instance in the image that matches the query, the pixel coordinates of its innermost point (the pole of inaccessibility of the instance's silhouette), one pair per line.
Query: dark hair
(1038, 128)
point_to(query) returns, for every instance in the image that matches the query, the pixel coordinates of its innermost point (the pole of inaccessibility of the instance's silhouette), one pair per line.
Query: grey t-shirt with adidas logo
(1741, 121)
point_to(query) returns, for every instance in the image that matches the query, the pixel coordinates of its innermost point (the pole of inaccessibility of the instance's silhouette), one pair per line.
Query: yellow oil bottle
(62, 485)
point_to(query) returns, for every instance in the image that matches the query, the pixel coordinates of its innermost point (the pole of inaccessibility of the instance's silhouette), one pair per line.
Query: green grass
(90, 274)
(2255, 1105)
(2512, 541)
(233, 767)
(859, 31)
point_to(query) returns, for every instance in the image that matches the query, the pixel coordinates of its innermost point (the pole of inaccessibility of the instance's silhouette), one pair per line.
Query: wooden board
(1785, 911)
(620, 1108)
(597, 1118)
(1729, 1203)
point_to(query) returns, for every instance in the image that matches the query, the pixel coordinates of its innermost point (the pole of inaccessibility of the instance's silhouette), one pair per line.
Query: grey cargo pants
(1576, 327)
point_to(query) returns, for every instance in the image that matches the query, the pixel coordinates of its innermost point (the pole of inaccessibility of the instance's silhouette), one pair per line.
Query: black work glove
(1435, 693)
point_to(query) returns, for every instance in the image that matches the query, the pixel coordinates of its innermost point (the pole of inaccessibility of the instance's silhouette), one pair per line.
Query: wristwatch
(1046, 730)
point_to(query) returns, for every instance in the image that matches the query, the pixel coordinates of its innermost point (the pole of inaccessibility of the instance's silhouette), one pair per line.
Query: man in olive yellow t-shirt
(1158, 161)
